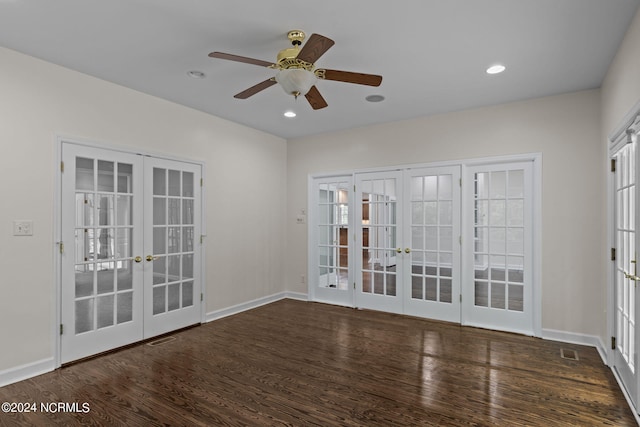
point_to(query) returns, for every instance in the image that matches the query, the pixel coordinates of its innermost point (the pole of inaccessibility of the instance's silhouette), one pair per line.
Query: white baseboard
(296, 295)
(19, 373)
(239, 308)
(626, 395)
(575, 338)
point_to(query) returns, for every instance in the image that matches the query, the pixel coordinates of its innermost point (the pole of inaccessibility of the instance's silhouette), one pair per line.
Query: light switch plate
(23, 228)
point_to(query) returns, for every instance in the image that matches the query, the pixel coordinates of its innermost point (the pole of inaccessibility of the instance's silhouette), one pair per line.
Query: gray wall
(245, 190)
(564, 128)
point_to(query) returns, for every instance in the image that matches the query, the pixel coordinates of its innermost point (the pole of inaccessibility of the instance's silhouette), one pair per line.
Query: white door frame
(536, 270)
(624, 133)
(535, 158)
(61, 139)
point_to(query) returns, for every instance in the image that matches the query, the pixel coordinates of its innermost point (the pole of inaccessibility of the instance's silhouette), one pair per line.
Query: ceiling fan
(297, 73)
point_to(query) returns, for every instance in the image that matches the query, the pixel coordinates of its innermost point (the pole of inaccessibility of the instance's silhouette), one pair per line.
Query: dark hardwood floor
(302, 364)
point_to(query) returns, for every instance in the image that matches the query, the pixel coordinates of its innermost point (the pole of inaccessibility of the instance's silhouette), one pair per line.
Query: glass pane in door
(431, 237)
(173, 239)
(499, 239)
(103, 244)
(333, 234)
(379, 236)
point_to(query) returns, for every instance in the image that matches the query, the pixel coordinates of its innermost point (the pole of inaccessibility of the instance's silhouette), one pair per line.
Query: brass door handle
(631, 276)
(399, 250)
(151, 257)
(407, 250)
(137, 259)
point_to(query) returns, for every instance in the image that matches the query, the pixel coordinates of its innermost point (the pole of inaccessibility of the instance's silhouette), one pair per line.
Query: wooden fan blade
(237, 58)
(255, 89)
(315, 99)
(314, 48)
(349, 77)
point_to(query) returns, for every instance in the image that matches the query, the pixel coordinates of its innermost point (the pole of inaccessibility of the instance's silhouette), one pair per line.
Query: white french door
(119, 283)
(498, 242)
(380, 255)
(432, 235)
(408, 252)
(625, 270)
(395, 241)
(102, 235)
(171, 241)
(331, 240)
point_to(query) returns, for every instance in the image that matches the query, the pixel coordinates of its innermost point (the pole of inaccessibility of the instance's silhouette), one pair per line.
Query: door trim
(620, 136)
(59, 140)
(535, 158)
(615, 139)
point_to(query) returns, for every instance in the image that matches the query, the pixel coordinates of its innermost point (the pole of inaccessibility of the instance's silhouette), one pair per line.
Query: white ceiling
(432, 54)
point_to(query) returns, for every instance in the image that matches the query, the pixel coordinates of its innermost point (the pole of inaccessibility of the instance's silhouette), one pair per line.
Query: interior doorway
(130, 248)
(452, 242)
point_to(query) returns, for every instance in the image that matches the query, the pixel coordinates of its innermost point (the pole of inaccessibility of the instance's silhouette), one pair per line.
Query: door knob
(138, 259)
(407, 250)
(399, 250)
(151, 257)
(631, 276)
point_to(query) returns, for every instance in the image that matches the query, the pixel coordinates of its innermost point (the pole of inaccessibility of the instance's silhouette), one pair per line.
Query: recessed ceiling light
(496, 69)
(289, 114)
(375, 98)
(196, 74)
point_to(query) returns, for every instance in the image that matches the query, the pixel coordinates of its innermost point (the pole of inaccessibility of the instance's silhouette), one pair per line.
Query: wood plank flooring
(304, 364)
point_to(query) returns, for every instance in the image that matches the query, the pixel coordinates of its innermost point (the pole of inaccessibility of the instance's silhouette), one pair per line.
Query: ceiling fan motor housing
(287, 58)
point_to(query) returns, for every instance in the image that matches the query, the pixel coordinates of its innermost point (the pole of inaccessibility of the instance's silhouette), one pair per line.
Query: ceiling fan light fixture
(296, 81)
